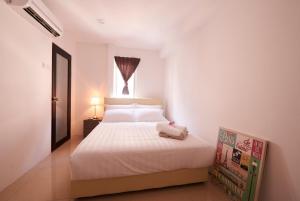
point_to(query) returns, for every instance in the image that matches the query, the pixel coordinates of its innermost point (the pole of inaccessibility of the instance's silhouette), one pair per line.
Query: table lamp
(94, 102)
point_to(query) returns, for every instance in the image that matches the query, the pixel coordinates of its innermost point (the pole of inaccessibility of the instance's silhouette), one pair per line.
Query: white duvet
(124, 149)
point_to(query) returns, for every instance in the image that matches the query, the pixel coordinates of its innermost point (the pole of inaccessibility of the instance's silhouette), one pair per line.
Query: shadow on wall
(275, 162)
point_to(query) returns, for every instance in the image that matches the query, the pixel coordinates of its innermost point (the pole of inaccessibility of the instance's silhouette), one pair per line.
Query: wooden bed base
(87, 188)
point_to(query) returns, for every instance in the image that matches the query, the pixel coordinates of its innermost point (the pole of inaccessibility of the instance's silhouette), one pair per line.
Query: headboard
(127, 101)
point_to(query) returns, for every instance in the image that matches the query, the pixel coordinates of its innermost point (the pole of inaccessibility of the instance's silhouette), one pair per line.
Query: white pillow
(119, 115)
(112, 107)
(149, 106)
(149, 115)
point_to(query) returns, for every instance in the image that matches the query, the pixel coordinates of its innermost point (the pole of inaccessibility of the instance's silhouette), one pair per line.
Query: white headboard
(127, 101)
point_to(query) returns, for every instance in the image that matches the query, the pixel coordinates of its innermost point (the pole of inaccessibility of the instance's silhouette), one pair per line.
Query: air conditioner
(38, 14)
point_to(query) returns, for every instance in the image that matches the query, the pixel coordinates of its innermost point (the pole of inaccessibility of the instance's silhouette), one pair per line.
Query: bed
(128, 156)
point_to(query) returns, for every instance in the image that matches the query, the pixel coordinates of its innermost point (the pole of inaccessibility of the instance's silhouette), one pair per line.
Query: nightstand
(89, 125)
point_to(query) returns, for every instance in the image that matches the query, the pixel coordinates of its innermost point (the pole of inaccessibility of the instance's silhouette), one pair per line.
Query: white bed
(135, 148)
(120, 157)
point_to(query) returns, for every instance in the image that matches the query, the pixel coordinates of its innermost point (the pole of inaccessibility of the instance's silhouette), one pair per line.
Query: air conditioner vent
(40, 20)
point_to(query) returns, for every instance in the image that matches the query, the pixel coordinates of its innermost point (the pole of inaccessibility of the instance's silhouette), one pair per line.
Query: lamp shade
(95, 100)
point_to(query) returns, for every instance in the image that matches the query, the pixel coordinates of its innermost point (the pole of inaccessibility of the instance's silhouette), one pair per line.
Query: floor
(50, 181)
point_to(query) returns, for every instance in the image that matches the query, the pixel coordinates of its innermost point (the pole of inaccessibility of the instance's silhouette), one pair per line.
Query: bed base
(87, 188)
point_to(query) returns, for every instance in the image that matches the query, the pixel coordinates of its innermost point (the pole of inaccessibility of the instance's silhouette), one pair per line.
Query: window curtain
(127, 66)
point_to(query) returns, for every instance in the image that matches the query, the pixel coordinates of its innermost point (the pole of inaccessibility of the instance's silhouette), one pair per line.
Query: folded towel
(172, 130)
(172, 123)
(166, 128)
(182, 128)
(180, 137)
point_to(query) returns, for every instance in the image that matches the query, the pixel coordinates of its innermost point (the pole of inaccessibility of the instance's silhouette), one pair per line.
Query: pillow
(149, 106)
(149, 115)
(119, 115)
(112, 107)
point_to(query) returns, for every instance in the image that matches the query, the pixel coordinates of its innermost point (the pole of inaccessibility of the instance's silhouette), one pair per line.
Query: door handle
(55, 99)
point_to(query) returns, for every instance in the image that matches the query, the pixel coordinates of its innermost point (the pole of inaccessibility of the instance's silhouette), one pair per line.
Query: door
(61, 97)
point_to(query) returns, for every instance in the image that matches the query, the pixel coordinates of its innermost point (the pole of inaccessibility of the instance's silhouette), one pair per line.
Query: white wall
(94, 76)
(90, 80)
(242, 71)
(25, 103)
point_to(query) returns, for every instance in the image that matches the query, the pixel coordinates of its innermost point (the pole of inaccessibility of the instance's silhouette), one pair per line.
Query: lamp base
(95, 112)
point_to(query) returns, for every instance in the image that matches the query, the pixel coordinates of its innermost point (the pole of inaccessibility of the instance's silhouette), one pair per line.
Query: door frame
(57, 50)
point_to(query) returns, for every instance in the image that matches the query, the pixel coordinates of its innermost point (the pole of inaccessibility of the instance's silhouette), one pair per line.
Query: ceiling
(147, 24)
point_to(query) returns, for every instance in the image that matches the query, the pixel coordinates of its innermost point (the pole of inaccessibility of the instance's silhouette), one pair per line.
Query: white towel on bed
(182, 136)
(171, 130)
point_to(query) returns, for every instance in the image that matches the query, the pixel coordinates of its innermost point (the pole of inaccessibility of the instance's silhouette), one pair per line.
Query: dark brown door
(61, 97)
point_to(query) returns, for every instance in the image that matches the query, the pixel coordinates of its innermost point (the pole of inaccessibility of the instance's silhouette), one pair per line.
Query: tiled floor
(50, 181)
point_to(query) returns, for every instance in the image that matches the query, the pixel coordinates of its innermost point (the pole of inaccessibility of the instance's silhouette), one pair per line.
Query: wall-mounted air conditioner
(37, 13)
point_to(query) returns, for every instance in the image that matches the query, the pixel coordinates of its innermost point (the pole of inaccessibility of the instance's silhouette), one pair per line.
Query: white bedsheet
(124, 149)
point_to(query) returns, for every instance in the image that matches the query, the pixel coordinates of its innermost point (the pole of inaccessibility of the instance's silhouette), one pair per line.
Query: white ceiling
(146, 24)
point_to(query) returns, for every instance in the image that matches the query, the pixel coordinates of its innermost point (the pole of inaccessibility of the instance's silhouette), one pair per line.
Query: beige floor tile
(50, 181)
(8, 192)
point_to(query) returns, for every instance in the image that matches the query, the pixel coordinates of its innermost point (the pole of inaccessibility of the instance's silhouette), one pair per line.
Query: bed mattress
(126, 149)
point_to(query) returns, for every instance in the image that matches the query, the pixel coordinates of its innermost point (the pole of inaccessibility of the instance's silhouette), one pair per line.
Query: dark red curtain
(127, 66)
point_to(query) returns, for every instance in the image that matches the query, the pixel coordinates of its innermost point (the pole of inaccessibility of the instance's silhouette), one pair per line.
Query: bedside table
(89, 125)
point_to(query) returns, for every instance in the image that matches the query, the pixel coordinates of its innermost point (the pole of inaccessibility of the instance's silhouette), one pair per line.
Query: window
(119, 83)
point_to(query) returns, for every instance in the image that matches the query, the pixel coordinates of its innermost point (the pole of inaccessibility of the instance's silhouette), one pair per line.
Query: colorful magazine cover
(239, 164)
